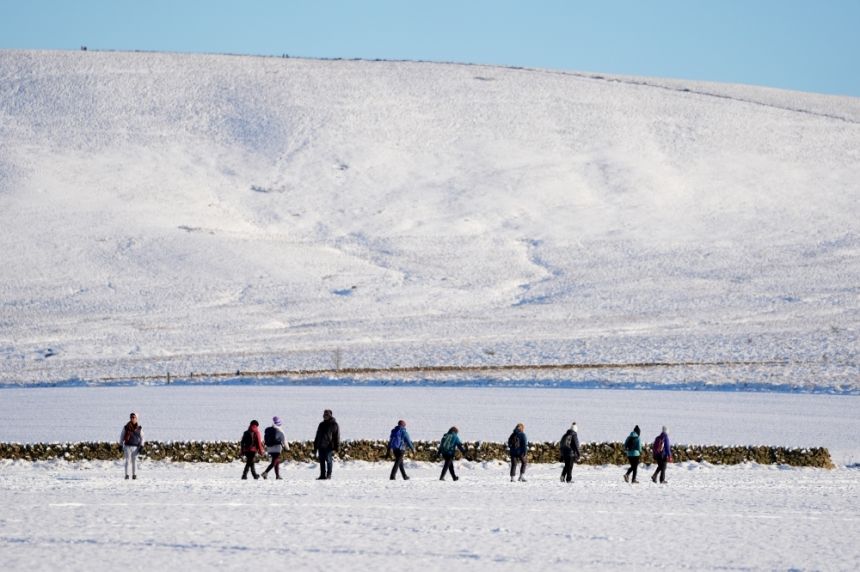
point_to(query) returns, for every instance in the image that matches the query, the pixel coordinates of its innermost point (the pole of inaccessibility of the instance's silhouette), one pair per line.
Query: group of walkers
(272, 442)
(661, 450)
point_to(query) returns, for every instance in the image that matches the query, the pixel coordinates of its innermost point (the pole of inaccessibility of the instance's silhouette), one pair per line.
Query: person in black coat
(569, 445)
(326, 442)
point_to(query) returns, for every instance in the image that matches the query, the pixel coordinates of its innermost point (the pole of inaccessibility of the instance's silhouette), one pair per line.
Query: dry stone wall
(365, 450)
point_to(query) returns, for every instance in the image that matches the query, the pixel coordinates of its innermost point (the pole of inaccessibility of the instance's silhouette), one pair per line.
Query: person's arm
(335, 441)
(122, 436)
(408, 441)
(142, 440)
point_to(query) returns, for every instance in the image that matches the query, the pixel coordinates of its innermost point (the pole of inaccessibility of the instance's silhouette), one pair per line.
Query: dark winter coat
(328, 435)
(570, 444)
(132, 435)
(523, 444)
(257, 445)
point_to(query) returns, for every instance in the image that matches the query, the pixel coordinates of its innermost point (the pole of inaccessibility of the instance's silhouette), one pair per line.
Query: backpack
(247, 440)
(630, 443)
(447, 444)
(567, 441)
(514, 442)
(657, 447)
(270, 437)
(396, 440)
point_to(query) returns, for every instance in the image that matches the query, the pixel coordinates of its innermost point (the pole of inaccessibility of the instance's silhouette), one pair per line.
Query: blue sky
(792, 44)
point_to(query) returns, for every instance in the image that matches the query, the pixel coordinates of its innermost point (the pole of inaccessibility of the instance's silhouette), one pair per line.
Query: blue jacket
(405, 441)
(637, 447)
(453, 445)
(523, 444)
(667, 447)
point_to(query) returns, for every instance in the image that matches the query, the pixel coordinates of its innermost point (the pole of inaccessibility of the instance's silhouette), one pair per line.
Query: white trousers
(130, 454)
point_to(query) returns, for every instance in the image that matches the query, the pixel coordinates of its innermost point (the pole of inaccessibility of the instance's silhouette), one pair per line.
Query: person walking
(518, 445)
(662, 451)
(633, 448)
(131, 440)
(276, 443)
(252, 444)
(326, 442)
(448, 448)
(569, 446)
(398, 442)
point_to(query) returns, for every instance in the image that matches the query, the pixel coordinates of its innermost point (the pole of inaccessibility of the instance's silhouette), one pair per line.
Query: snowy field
(197, 213)
(84, 516)
(56, 516)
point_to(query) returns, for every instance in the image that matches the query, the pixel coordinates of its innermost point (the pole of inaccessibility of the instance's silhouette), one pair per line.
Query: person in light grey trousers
(131, 439)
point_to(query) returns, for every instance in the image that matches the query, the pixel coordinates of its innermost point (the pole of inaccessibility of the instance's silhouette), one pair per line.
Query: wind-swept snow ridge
(197, 213)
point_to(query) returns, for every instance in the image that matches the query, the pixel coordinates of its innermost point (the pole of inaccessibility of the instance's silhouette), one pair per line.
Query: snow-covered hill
(164, 212)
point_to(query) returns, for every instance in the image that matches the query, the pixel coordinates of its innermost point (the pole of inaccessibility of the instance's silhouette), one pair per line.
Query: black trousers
(250, 459)
(325, 458)
(634, 464)
(398, 464)
(448, 466)
(566, 472)
(661, 470)
(275, 464)
(522, 462)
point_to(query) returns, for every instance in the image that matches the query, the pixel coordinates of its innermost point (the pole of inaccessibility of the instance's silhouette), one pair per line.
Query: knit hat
(573, 426)
(664, 429)
(276, 420)
(637, 430)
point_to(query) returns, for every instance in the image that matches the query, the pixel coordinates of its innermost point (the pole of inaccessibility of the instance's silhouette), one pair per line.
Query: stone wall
(592, 453)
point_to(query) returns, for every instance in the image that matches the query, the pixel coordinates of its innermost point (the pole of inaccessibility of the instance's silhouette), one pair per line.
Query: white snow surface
(200, 213)
(181, 516)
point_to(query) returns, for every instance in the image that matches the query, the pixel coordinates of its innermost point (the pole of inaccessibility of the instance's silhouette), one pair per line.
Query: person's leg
(451, 468)
(248, 460)
(513, 466)
(402, 466)
(270, 467)
(329, 463)
(134, 452)
(398, 456)
(634, 462)
(566, 474)
(662, 467)
(523, 464)
(276, 461)
(126, 453)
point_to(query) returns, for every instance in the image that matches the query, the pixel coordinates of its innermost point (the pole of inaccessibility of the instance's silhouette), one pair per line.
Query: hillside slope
(199, 213)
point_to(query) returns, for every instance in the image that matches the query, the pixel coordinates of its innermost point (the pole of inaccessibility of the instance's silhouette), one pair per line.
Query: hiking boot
(244, 477)
(441, 478)
(277, 478)
(654, 478)
(322, 478)
(522, 479)
(126, 477)
(133, 477)
(626, 478)
(264, 476)
(634, 482)
(405, 478)
(392, 478)
(513, 479)
(456, 478)
(256, 477)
